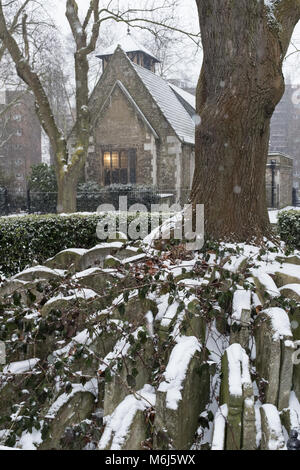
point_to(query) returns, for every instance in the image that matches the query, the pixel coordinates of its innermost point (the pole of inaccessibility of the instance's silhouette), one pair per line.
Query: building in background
(279, 180)
(285, 128)
(143, 128)
(20, 141)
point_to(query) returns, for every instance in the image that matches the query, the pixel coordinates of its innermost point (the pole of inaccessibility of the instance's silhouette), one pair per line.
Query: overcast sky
(189, 21)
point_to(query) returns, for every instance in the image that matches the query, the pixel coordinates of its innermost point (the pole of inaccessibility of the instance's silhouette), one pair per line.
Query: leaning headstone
(99, 280)
(127, 371)
(219, 431)
(182, 396)
(96, 256)
(265, 285)
(274, 350)
(66, 258)
(39, 272)
(126, 427)
(287, 274)
(295, 259)
(69, 409)
(85, 297)
(241, 318)
(237, 394)
(272, 435)
(290, 419)
(286, 374)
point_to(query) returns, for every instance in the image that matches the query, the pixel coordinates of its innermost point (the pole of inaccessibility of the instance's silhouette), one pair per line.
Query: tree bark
(241, 82)
(67, 192)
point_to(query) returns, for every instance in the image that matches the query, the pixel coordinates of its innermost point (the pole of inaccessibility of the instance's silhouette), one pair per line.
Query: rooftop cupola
(135, 51)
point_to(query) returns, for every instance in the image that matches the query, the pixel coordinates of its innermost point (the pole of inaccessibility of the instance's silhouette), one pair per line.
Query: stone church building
(143, 127)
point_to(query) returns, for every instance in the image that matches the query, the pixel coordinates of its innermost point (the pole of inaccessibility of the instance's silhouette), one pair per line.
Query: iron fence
(13, 202)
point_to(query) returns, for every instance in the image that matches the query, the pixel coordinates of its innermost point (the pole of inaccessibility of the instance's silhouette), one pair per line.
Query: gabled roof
(128, 44)
(133, 103)
(172, 109)
(188, 97)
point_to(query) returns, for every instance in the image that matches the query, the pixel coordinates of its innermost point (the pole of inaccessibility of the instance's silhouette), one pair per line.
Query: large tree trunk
(240, 84)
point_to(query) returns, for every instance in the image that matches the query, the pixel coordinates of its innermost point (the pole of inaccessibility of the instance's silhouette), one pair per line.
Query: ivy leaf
(31, 296)
(17, 299)
(131, 381)
(121, 309)
(107, 376)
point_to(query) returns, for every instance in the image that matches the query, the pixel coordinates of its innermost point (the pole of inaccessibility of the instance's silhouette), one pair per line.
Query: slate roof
(128, 44)
(188, 97)
(169, 104)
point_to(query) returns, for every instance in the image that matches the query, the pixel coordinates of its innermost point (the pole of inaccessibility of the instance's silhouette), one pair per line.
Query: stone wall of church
(120, 128)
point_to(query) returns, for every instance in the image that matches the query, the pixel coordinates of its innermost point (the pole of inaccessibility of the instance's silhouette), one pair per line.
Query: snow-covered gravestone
(2, 353)
(237, 394)
(272, 435)
(241, 317)
(274, 355)
(126, 427)
(182, 396)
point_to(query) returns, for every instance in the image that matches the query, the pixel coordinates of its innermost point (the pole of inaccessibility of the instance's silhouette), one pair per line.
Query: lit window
(119, 167)
(115, 160)
(124, 160)
(107, 163)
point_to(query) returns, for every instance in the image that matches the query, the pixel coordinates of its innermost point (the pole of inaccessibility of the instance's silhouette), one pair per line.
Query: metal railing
(30, 202)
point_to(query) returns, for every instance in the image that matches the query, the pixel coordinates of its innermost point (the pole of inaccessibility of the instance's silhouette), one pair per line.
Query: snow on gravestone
(182, 396)
(274, 351)
(237, 394)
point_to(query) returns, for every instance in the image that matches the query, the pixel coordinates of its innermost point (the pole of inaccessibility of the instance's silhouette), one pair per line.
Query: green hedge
(289, 228)
(39, 237)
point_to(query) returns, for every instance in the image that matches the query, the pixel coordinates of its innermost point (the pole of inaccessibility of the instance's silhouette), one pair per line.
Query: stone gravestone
(2, 353)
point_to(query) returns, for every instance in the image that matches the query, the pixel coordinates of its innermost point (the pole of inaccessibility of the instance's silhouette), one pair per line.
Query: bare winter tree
(68, 165)
(241, 82)
(7, 75)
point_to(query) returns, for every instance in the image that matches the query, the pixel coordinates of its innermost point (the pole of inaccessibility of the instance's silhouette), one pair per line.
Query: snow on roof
(173, 110)
(188, 97)
(128, 44)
